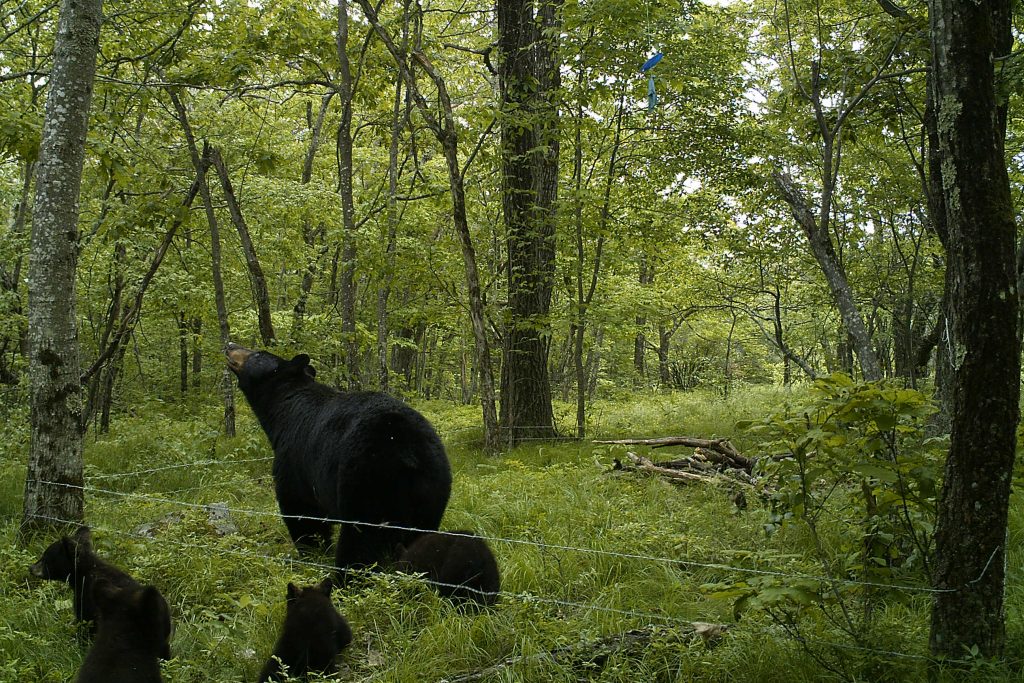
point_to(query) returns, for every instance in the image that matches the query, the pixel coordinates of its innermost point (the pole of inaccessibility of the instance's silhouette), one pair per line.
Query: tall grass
(227, 591)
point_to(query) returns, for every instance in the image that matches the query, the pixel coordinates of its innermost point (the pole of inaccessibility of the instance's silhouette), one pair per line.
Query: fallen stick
(645, 465)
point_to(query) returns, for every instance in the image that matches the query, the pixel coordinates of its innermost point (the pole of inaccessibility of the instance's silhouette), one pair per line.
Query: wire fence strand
(670, 561)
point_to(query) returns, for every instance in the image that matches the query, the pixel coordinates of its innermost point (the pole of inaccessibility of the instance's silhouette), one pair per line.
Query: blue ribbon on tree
(652, 94)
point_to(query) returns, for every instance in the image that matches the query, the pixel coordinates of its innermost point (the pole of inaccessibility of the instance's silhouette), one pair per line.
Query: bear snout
(237, 355)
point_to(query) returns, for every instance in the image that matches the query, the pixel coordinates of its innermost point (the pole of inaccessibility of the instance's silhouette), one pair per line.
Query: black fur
(360, 456)
(134, 630)
(72, 560)
(313, 634)
(461, 567)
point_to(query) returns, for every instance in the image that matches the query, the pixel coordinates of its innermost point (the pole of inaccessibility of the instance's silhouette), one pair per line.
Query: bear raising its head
(313, 634)
(364, 459)
(134, 633)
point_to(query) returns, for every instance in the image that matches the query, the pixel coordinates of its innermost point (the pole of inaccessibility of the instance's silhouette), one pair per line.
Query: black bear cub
(72, 560)
(134, 630)
(458, 564)
(362, 457)
(313, 634)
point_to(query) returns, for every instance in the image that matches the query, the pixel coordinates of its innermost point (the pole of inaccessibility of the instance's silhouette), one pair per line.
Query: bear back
(458, 564)
(133, 635)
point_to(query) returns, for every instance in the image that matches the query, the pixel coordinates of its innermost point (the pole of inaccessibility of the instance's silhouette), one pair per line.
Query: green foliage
(852, 472)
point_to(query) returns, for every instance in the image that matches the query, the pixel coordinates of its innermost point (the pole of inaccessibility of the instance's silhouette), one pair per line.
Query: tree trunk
(444, 129)
(197, 352)
(835, 276)
(529, 80)
(183, 336)
(968, 41)
(10, 279)
(227, 382)
(584, 297)
(640, 339)
(309, 234)
(384, 291)
(201, 164)
(256, 277)
(348, 224)
(55, 452)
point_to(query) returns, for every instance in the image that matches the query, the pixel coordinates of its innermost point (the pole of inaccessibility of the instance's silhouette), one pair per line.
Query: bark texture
(968, 40)
(55, 454)
(529, 80)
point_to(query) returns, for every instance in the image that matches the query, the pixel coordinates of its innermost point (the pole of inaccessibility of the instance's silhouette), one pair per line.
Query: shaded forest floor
(585, 552)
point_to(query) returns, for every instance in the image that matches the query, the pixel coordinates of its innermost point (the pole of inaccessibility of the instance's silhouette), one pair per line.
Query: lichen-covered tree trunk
(55, 454)
(968, 40)
(529, 79)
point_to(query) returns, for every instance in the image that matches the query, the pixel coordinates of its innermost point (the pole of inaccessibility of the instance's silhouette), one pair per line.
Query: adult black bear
(313, 634)
(354, 456)
(458, 564)
(134, 629)
(72, 560)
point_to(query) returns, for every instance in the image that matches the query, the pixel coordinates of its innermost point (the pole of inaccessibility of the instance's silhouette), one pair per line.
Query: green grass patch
(585, 552)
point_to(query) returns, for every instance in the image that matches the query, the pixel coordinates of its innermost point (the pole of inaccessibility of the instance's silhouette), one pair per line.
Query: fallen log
(718, 451)
(597, 652)
(645, 465)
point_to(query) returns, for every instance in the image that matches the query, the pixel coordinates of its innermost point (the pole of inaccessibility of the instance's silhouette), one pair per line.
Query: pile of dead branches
(712, 461)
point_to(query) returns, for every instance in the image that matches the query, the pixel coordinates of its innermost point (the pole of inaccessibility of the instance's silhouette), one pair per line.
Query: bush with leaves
(852, 472)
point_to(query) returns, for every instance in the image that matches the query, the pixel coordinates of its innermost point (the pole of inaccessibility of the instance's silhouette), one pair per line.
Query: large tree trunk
(968, 40)
(55, 453)
(529, 78)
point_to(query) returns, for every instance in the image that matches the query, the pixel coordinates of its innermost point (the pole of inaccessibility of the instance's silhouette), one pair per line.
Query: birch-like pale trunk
(55, 453)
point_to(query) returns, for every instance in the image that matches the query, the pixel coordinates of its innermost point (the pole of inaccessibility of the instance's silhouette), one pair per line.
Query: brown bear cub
(459, 564)
(313, 634)
(72, 560)
(134, 630)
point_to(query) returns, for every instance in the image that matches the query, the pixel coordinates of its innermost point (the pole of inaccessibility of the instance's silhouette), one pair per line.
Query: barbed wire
(674, 562)
(522, 597)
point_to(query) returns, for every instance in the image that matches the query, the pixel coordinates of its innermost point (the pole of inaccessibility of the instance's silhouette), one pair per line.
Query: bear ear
(300, 361)
(325, 586)
(293, 592)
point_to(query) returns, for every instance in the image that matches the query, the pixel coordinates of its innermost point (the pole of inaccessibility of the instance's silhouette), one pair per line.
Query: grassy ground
(585, 553)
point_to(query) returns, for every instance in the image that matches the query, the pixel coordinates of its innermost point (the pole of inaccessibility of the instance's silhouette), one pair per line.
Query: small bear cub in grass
(458, 564)
(72, 560)
(313, 634)
(134, 630)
